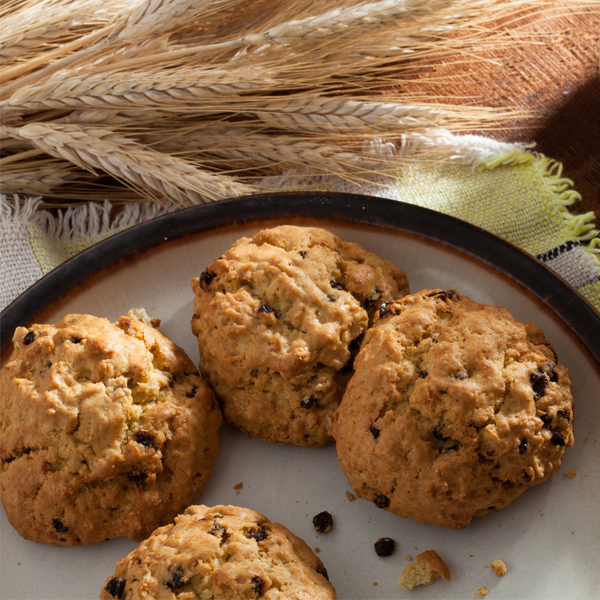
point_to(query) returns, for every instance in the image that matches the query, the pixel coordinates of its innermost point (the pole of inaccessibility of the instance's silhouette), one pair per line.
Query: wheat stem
(20, 156)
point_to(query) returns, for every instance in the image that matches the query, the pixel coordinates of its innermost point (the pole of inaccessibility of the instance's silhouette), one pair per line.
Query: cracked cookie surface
(220, 553)
(279, 318)
(106, 430)
(454, 410)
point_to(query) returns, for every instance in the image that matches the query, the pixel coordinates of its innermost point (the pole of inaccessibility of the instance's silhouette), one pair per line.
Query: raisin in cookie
(454, 410)
(223, 552)
(106, 430)
(279, 318)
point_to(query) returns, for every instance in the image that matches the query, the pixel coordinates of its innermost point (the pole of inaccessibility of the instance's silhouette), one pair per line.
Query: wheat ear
(159, 175)
(240, 148)
(38, 26)
(42, 179)
(337, 116)
(145, 90)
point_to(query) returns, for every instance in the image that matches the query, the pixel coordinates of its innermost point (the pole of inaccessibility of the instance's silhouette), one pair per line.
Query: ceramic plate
(549, 538)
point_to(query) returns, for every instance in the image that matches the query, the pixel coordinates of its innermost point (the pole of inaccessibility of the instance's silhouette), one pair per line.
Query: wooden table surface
(559, 82)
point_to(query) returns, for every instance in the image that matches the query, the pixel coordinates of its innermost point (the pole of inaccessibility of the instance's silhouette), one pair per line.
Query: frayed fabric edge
(88, 220)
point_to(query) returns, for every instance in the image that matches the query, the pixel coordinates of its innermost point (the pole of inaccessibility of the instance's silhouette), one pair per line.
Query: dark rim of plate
(530, 273)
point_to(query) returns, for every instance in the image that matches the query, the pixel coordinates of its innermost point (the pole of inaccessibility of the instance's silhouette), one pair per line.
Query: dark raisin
(257, 583)
(266, 309)
(385, 546)
(259, 534)
(137, 477)
(374, 431)
(323, 522)
(331, 298)
(145, 439)
(323, 571)
(28, 338)
(423, 374)
(192, 392)
(303, 253)
(59, 527)
(336, 285)
(206, 277)
(546, 419)
(75, 339)
(523, 446)
(554, 377)
(565, 414)
(539, 381)
(372, 300)
(443, 294)
(115, 587)
(558, 439)
(176, 582)
(356, 342)
(381, 501)
(526, 476)
(219, 530)
(437, 432)
(309, 402)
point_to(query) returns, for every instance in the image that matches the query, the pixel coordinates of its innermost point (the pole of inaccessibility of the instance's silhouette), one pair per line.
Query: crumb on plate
(427, 568)
(499, 568)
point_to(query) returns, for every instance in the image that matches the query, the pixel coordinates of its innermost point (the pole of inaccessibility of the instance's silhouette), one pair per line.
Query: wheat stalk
(147, 18)
(405, 29)
(160, 175)
(336, 116)
(44, 178)
(37, 26)
(241, 148)
(146, 90)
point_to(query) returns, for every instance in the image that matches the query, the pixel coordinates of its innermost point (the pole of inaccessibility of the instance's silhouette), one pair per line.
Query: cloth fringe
(88, 220)
(18, 210)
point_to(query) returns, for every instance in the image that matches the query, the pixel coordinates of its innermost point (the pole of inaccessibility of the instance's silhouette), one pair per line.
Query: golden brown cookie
(223, 552)
(106, 430)
(279, 318)
(454, 410)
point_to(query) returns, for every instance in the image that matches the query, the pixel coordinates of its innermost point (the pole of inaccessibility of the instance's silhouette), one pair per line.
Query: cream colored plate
(549, 538)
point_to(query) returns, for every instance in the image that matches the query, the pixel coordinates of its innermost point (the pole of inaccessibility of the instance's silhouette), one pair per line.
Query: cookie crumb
(317, 549)
(375, 583)
(238, 487)
(323, 522)
(499, 567)
(141, 315)
(351, 497)
(482, 591)
(425, 571)
(408, 557)
(571, 473)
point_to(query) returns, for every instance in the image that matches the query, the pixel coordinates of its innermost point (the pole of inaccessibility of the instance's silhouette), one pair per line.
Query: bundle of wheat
(189, 101)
